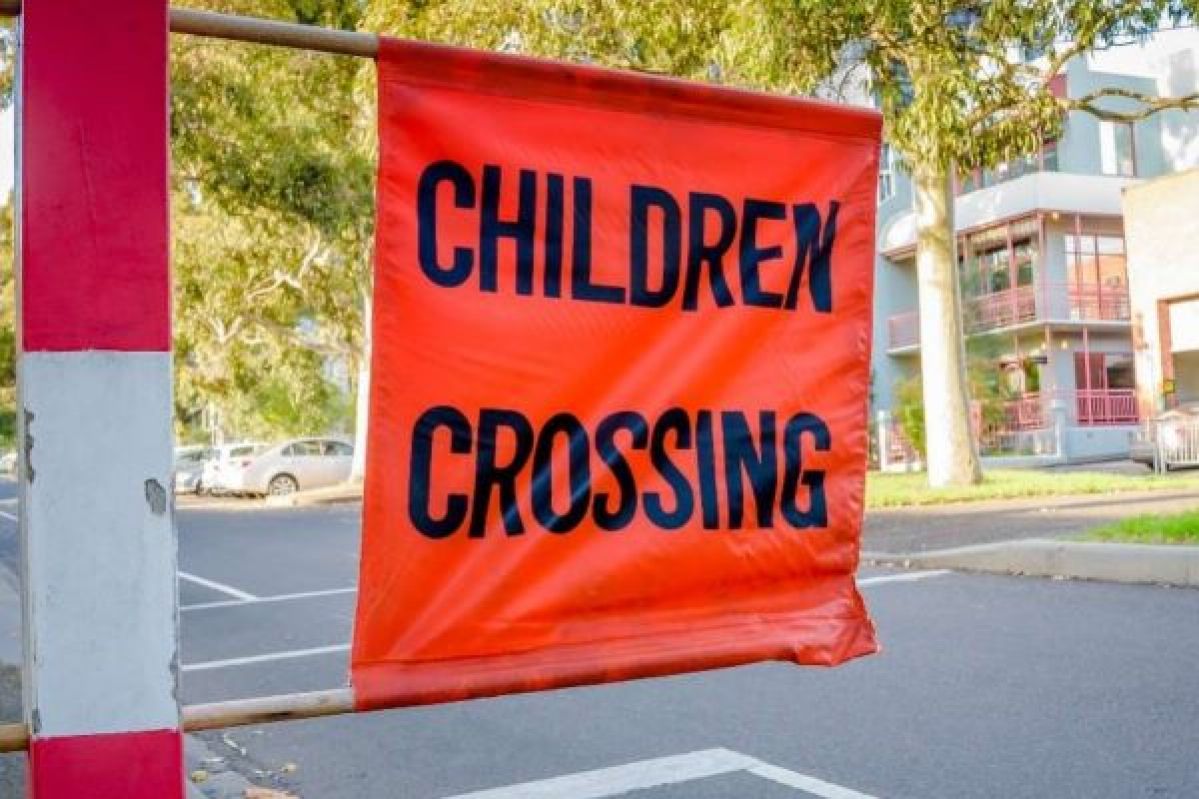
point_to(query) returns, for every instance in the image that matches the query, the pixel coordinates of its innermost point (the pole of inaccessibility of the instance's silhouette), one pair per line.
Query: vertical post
(94, 371)
(1085, 394)
(883, 425)
(1013, 282)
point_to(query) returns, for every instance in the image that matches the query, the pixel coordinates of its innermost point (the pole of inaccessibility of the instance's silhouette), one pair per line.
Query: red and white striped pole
(94, 371)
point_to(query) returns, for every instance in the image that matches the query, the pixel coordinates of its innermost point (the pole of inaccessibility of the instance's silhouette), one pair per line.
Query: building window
(1049, 156)
(1093, 260)
(1104, 371)
(1117, 148)
(886, 174)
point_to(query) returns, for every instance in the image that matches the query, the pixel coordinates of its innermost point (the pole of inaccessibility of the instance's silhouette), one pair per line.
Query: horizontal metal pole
(258, 31)
(267, 31)
(265, 709)
(235, 713)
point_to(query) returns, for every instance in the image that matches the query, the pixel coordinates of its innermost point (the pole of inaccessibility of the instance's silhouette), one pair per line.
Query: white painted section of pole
(95, 485)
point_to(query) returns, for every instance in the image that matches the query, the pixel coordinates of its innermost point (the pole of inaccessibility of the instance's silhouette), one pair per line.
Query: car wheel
(282, 484)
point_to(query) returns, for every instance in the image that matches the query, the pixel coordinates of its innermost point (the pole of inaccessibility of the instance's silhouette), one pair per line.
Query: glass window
(338, 448)
(303, 449)
(886, 174)
(1026, 259)
(1049, 156)
(240, 452)
(1118, 370)
(1117, 151)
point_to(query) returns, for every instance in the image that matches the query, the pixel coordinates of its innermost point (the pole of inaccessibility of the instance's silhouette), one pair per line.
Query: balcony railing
(1092, 407)
(903, 330)
(1046, 302)
(1107, 406)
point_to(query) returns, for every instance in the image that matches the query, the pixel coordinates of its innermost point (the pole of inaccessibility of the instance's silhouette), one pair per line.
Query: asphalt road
(987, 687)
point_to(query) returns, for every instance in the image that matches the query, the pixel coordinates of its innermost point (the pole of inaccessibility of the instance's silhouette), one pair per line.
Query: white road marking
(270, 656)
(691, 765)
(237, 593)
(903, 577)
(8, 515)
(802, 782)
(232, 603)
(645, 774)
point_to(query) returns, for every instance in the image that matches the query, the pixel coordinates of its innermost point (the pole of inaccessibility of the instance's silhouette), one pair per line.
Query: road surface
(987, 687)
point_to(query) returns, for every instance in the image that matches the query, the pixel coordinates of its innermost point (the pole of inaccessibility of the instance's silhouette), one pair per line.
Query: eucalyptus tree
(961, 84)
(272, 215)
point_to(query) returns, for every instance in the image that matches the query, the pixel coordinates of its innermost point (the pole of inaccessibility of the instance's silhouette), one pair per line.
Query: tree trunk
(362, 400)
(951, 454)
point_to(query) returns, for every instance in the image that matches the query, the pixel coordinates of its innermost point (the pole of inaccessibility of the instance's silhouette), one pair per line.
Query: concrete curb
(333, 495)
(1082, 560)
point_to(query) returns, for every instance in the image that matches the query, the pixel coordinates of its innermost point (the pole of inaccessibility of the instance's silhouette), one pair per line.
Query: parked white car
(223, 461)
(290, 466)
(189, 468)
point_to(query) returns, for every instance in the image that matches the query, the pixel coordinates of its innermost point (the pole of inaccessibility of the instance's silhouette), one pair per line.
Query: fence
(1175, 443)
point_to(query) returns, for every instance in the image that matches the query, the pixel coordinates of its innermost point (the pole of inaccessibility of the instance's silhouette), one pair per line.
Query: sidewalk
(1142, 564)
(935, 527)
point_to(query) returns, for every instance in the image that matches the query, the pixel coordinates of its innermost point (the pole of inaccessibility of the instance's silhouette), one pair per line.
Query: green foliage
(272, 215)
(1175, 528)
(909, 412)
(987, 384)
(944, 73)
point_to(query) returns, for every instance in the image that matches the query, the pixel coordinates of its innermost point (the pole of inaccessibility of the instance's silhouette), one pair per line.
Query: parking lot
(987, 686)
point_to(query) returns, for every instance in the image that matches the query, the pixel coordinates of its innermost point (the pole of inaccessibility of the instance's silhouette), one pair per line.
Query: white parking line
(654, 773)
(294, 653)
(237, 593)
(903, 577)
(8, 515)
(233, 603)
(803, 782)
(250, 599)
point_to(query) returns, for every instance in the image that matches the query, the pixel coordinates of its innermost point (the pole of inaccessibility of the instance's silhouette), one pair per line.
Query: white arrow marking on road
(646, 774)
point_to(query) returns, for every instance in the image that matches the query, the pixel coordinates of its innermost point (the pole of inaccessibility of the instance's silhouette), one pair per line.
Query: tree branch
(1149, 105)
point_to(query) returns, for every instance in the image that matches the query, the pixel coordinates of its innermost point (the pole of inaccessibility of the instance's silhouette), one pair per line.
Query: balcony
(1040, 191)
(1042, 302)
(1046, 302)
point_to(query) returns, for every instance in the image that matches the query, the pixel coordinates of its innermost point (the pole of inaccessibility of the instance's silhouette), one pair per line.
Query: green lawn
(1174, 528)
(897, 490)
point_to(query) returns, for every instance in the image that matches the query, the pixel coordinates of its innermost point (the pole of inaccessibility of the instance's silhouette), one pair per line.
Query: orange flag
(620, 371)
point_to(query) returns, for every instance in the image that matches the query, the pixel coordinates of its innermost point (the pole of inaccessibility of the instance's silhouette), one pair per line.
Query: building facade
(1044, 277)
(1162, 223)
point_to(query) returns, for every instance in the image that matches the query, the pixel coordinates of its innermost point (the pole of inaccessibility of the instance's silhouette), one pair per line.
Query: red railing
(903, 330)
(1046, 301)
(1091, 407)
(1026, 413)
(1106, 406)
(1001, 309)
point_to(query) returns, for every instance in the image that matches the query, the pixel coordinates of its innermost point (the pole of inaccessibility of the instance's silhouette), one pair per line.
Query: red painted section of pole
(94, 232)
(131, 765)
